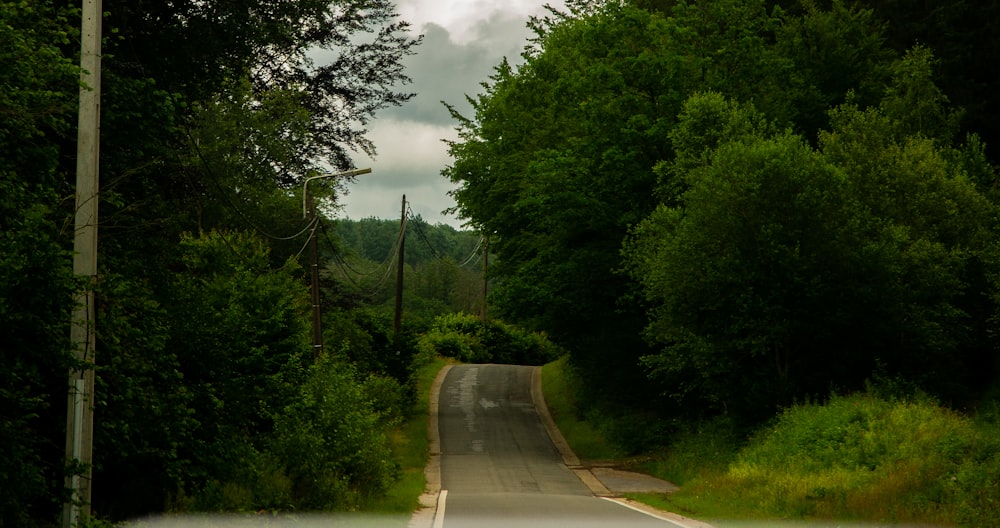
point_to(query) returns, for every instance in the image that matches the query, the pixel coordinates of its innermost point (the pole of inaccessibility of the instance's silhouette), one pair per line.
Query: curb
(584, 474)
(673, 518)
(427, 515)
(569, 457)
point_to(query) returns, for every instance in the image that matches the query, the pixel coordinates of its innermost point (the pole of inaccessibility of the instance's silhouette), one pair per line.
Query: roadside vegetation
(765, 233)
(469, 339)
(762, 234)
(870, 457)
(409, 444)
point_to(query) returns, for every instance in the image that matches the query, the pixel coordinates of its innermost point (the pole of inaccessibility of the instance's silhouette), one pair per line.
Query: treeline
(442, 272)
(208, 396)
(723, 208)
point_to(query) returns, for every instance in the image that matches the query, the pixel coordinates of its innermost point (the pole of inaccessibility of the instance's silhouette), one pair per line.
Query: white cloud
(409, 161)
(405, 145)
(464, 40)
(461, 17)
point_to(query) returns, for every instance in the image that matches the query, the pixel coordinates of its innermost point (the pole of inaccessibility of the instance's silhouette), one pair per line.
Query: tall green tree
(37, 114)
(785, 271)
(190, 384)
(558, 160)
(211, 114)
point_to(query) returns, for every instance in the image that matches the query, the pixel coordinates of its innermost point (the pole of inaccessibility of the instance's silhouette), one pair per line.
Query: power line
(344, 265)
(474, 256)
(422, 235)
(228, 201)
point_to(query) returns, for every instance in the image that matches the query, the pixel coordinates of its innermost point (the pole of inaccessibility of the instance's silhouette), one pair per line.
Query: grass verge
(587, 440)
(409, 444)
(861, 458)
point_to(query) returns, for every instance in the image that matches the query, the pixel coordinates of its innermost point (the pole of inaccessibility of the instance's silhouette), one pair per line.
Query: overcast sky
(463, 41)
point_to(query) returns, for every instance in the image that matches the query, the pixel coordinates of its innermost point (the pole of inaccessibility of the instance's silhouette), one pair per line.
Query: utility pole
(397, 322)
(317, 324)
(486, 270)
(309, 211)
(80, 401)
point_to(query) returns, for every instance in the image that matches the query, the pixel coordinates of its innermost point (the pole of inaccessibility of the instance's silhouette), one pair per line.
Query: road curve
(499, 467)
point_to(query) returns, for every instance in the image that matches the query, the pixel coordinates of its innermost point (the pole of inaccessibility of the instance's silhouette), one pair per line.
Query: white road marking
(439, 514)
(651, 514)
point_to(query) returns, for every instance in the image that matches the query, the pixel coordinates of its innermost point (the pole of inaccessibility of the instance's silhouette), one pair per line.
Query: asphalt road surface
(500, 469)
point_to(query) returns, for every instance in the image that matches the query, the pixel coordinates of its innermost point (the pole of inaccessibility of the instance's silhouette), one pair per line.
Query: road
(499, 466)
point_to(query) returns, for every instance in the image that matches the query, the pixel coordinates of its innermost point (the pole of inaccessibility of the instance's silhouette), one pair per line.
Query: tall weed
(865, 457)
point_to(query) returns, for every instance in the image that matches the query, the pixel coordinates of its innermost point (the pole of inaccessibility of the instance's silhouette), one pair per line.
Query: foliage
(37, 112)
(467, 338)
(147, 410)
(194, 49)
(410, 444)
(442, 270)
(862, 457)
(785, 269)
(335, 453)
(962, 39)
(560, 157)
(584, 433)
(210, 114)
(230, 353)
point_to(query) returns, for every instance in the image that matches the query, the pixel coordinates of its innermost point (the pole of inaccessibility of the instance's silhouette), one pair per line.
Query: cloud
(464, 41)
(445, 70)
(410, 157)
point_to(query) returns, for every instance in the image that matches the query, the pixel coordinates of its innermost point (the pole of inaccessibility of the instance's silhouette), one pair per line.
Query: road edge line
(670, 517)
(439, 509)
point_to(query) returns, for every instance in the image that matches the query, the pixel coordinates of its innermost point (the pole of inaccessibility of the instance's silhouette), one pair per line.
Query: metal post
(309, 211)
(397, 322)
(317, 326)
(80, 401)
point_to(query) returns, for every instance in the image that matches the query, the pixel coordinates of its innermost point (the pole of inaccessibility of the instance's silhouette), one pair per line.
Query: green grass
(410, 447)
(856, 458)
(588, 441)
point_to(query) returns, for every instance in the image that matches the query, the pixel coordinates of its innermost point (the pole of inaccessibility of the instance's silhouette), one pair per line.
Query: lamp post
(309, 211)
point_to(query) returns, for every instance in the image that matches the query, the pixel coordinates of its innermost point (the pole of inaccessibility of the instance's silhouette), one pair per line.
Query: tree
(558, 161)
(784, 271)
(37, 112)
(190, 387)
(739, 307)
(192, 48)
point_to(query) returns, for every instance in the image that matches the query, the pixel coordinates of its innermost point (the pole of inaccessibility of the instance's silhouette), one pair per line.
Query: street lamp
(309, 206)
(305, 184)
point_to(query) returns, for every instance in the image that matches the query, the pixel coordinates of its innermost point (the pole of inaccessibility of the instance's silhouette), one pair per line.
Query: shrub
(860, 455)
(467, 338)
(331, 442)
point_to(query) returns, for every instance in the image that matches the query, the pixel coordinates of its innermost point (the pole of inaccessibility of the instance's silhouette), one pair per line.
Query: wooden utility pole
(317, 326)
(397, 322)
(486, 270)
(80, 401)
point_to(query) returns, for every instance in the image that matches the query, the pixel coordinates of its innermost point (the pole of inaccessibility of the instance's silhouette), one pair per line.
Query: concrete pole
(80, 402)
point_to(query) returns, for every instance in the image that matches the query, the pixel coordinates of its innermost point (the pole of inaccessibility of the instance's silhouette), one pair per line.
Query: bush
(331, 442)
(466, 338)
(867, 457)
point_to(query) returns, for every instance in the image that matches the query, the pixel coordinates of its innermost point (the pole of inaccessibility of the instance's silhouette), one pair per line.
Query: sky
(464, 40)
